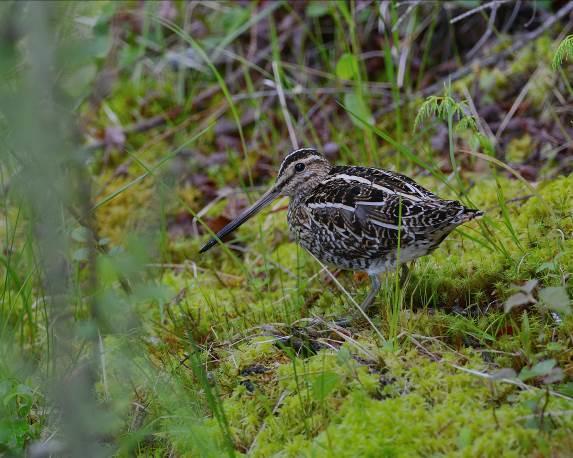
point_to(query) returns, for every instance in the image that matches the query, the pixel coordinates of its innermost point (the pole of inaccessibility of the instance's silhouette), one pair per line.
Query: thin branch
(490, 25)
(282, 100)
(233, 78)
(486, 61)
(494, 5)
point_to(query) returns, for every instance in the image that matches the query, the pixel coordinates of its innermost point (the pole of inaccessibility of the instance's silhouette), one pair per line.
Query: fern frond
(442, 107)
(563, 52)
(429, 109)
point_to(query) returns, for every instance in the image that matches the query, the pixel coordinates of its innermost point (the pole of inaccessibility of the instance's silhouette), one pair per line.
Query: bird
(357, 218)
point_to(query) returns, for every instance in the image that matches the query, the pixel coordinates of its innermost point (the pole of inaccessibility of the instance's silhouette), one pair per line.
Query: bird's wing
(360, 197)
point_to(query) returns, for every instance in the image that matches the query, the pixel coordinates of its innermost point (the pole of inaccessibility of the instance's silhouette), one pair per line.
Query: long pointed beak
(265, 200)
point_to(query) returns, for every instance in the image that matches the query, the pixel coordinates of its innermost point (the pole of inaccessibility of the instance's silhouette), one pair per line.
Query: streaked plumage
(358, 218)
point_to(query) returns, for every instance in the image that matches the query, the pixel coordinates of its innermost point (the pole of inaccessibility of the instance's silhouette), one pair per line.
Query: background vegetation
(130, 131)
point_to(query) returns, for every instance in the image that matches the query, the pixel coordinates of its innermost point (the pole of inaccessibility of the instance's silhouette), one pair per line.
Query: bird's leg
(347, 321)
(372, 293)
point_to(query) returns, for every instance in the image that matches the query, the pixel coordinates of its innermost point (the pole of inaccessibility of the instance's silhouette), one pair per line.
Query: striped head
(299, 173)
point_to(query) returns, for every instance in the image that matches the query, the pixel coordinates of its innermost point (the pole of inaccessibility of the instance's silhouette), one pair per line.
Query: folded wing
(380, 207)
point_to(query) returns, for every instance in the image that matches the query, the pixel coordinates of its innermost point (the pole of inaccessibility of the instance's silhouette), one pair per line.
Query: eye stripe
(296, 156)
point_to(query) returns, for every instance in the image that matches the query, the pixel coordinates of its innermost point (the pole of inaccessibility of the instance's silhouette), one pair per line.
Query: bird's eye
(299, 167)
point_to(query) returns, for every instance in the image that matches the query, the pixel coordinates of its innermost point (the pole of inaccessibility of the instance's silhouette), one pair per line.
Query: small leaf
(81, 255)
(555, 346)
(550, 266)
(464, 437)
(540, 369)
(317, 9)
(566, 389)
(556, 298)
(324, 384)
(529, 286)
(555, 375)
(357, 106)
(516, 300)
(505, 373)
(343, 356)
(78, 82)
(347, 67)
(81, 234)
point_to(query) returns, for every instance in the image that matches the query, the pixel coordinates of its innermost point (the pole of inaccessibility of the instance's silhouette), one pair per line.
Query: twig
(194, 267)
(515, 105)
(510, 381)
(405, 15)
(496, 58)
(486, 61)
(483, 126)
(101, 351)
(233, 79)
(282, 100)
(142, 126)
(494, 4)
(515, 199)
(490, 25)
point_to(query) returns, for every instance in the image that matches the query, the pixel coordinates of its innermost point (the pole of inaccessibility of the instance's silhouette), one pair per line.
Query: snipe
(357, 218)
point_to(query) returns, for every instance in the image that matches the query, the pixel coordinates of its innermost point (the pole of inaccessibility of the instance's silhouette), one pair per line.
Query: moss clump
(444, 411)
(519, 149)
(126, 205)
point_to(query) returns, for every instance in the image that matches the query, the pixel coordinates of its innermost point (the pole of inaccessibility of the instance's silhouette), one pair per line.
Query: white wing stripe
(362, 180)
(374, 204)
(330, 205)
(386, 225)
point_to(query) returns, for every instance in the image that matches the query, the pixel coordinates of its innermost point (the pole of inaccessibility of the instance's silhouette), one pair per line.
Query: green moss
(423, 408)
(531, 56)
(447, 413)
(492, 83)
(519, 149)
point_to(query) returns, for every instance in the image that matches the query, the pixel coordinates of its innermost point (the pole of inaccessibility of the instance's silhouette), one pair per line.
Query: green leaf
(343, 356)
(357, 105)
(76, 83)
(555, 298)
(464, 437)
(555, 375)
(566, 389)
(347, 67)
(317, 9)
(555, 346)
(550, 266)
(529, 286)
(516, 300)
(81, 255)
(324, 384)
(80, 234)
(540, 369)
(504, 373)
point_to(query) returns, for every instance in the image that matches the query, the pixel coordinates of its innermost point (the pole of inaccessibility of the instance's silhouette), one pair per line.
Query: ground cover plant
(132, 131)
